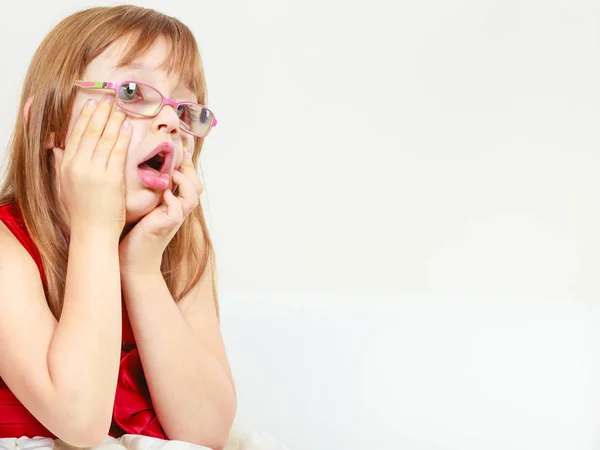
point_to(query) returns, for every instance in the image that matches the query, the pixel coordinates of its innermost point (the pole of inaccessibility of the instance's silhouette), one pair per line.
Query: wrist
(136, 280)
(94, 235)
(139, 271)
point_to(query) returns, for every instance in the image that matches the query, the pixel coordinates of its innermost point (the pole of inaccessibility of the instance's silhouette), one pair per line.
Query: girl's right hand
(91, 173)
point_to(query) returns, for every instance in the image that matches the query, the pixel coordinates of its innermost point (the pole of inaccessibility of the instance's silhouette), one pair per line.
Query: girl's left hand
(140, 252)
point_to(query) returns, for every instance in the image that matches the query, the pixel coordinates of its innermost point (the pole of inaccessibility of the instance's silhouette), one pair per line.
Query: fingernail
(188, 155)
(91, 104)
(125, 125)
(108, 98)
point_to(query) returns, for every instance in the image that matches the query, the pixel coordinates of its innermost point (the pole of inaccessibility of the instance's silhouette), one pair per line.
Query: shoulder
(20, 279)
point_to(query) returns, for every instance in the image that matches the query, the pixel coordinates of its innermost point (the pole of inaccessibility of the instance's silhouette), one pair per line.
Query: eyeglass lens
(145, 100)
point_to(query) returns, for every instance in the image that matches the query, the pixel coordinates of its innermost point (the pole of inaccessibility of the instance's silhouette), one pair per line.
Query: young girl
(108, 311)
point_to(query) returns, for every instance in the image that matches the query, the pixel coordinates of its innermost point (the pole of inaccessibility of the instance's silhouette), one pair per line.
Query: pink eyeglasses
(146, 101)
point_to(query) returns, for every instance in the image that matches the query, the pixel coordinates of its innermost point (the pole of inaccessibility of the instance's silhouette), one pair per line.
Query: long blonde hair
(61, 58)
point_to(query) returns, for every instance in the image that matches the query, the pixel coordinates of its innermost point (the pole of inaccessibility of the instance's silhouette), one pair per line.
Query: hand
(142, 248)
(91, 168)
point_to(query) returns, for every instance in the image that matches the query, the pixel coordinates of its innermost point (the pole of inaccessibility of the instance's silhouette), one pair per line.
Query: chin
(140, 202)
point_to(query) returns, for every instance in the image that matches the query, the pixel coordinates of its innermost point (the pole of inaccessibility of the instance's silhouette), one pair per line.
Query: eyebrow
(134, 66)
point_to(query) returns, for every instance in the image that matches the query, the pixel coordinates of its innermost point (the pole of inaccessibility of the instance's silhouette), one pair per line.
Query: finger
(109, 137)
(95, 127)
(187, 195)
(190, 172)
(118, 154)
(174, 207)
(78, 129)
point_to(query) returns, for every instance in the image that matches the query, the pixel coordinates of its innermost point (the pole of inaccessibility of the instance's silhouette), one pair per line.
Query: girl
(106, 266)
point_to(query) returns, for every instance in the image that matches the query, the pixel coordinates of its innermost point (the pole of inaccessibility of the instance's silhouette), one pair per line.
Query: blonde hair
(61, 58)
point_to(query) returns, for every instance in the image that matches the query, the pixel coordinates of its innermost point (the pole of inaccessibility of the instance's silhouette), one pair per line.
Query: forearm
(192, 393)
(83, 356)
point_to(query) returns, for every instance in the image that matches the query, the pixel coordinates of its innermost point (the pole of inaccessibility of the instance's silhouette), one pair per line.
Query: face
(148, 133)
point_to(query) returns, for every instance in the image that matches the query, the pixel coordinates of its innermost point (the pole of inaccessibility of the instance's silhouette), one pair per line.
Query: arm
(63, 372)
(184, 358)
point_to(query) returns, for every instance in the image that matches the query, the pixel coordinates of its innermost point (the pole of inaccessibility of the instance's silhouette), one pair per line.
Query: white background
(404, 203)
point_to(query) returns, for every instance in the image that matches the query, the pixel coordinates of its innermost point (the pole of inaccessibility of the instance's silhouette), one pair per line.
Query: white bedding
(239, 439)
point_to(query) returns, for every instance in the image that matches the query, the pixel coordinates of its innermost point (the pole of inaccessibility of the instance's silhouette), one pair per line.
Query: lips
(160, 158)
(155, 167)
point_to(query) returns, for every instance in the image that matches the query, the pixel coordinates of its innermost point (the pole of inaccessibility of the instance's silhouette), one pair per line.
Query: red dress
(133, 412)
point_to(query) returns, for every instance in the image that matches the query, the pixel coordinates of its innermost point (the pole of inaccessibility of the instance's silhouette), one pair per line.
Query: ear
(50, 144)
(27, 108)
(58, 156)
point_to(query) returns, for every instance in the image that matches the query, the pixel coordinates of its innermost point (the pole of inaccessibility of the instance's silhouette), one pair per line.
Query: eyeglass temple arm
(95, 84)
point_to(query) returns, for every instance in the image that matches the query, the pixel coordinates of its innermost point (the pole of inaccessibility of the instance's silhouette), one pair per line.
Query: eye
(129, 92)
(187, 113)
(204, 115)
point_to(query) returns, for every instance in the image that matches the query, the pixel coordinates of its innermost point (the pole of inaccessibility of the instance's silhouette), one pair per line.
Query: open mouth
(157, 163)
(154, 171)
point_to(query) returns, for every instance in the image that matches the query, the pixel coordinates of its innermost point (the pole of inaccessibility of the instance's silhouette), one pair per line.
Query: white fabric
(239, 439)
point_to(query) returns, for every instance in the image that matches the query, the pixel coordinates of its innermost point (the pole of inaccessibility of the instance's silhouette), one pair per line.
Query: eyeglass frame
(85, 84)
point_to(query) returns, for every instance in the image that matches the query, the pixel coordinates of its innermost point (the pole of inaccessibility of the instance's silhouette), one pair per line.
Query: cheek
(138, 134)
(189, 143)
(136, 144)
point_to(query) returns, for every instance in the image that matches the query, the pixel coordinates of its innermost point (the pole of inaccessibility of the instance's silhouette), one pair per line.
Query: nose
(166, 121)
